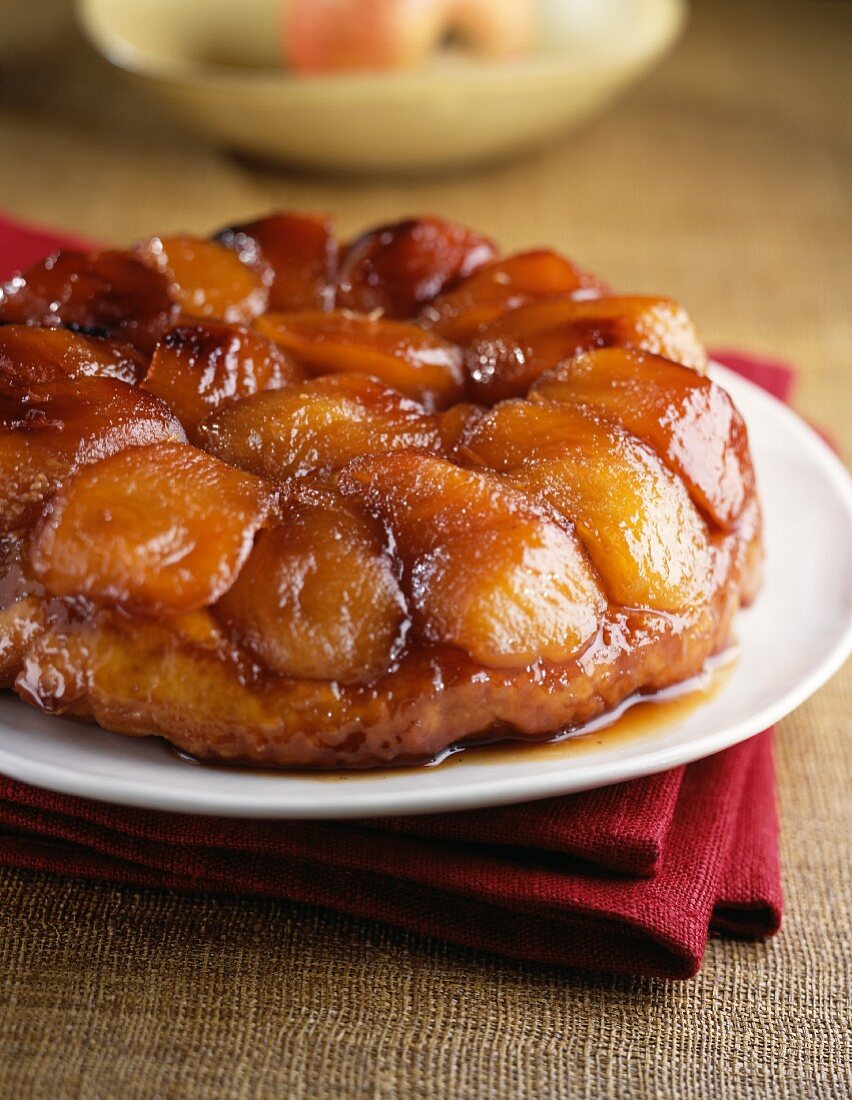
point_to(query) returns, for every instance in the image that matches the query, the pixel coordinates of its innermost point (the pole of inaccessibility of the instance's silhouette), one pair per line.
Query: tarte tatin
(295, 503)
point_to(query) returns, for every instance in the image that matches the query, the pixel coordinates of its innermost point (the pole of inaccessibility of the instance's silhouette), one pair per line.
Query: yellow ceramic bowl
(216, 63)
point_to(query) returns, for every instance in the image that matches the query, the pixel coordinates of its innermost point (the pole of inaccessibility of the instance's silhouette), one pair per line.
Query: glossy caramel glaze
(198, 367)
(32, 355)
(246, 505)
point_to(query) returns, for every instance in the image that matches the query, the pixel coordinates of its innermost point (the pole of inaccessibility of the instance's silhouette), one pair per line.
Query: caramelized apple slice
(397, 268)
(206, 279)
(318, 596)
(197, 368)
(31, 355)
(455, 423)
(403, 356)
(508, 354)
(458, 313)
(634, 516)
(486, 571)
(21, 608)
(297, 252)
(688, 420)
(102, 293)
(48, 430)
(318, 426)
(157, 529)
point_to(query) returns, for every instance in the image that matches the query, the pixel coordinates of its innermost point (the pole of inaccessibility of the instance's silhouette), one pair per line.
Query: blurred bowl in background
(217, 64)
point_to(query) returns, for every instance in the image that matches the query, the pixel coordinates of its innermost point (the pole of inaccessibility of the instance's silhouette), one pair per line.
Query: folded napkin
(629, 878)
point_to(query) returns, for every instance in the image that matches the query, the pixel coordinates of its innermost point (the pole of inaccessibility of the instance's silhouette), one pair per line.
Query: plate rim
(575, 777)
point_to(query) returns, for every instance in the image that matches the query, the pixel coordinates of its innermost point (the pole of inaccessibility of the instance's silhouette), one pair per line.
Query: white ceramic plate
(795, 637)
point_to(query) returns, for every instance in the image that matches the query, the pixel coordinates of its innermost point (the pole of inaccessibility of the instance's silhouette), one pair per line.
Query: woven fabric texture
(722, 179)
(719, 869)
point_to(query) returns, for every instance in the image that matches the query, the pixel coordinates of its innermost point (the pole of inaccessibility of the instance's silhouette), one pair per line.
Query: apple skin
(374, 35)
(350, 35)
(495, 28)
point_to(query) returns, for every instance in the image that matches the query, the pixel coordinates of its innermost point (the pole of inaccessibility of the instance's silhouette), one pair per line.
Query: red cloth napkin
(628, 878)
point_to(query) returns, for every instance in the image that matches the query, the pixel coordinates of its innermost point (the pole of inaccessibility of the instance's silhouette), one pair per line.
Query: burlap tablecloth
(723, 180)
